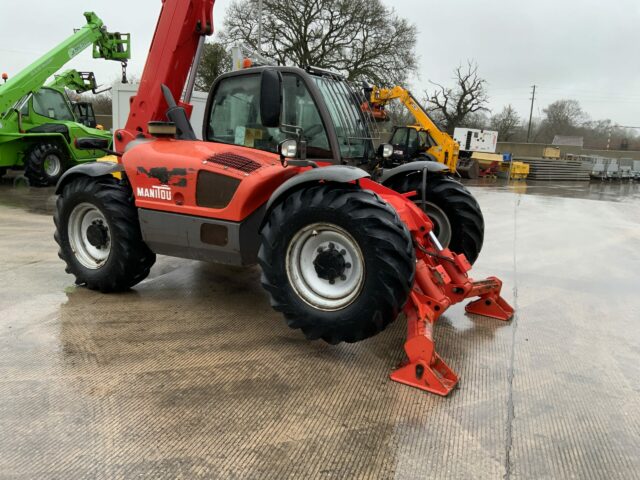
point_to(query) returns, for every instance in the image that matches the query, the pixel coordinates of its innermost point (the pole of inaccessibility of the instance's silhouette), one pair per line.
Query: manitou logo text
(159, 192)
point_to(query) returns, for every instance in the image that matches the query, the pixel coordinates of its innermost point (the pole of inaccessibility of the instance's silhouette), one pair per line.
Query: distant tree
(563, 116)
(598, 133)
(454, 105)
(506, 123)
(398, 113)
(363, 39)
(215, 61)
(102, 103)
(478, 120)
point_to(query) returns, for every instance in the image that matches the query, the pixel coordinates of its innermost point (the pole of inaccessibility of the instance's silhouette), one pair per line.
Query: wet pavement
(192, 375)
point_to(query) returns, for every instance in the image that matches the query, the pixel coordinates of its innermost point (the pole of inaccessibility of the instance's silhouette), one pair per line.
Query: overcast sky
(581, 49)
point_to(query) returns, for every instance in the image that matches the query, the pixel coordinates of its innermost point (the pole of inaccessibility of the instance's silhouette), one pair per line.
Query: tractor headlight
(289, 149)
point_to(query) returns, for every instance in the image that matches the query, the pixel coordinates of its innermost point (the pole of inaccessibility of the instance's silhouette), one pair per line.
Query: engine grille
(236, 162)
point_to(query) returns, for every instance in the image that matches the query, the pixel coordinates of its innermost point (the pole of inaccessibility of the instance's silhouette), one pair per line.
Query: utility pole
(260, 26)
(533, 97)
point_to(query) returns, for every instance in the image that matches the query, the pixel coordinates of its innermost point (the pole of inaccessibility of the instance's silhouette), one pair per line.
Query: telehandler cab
(341, 254)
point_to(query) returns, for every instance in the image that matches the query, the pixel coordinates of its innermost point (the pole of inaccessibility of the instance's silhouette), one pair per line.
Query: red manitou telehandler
(274, 182)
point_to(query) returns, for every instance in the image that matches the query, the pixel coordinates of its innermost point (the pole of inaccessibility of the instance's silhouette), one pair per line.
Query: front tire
(44, 164)
(456, 215)
(337, 261)
(99, 235)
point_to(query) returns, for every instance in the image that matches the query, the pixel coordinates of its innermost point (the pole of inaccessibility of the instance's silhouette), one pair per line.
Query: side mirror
(92, 143)
(270, 98)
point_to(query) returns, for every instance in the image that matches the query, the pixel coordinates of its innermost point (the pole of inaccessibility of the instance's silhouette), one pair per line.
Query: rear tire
(44, 164)
(99, 235)
(445, 196)
(337, 262)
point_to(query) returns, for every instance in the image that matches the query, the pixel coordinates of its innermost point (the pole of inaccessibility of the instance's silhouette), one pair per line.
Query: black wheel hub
(330, 263)
(97, 234)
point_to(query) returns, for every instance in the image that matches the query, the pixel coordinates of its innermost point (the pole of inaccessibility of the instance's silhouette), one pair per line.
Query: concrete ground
(192, 375)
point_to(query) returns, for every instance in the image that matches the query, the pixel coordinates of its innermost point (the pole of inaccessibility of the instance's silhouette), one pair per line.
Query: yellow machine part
(551, 152)
(111, 159)
(519, 170)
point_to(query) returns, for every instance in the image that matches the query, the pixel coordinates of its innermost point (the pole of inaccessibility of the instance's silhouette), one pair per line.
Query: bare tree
(363, 39)
(101, 102)
(506, 123)
(564, 115)
(454, 105)
(477, 120)
(215, 61)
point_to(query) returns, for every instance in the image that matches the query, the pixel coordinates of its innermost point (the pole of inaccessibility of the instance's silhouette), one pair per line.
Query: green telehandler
(38, 126)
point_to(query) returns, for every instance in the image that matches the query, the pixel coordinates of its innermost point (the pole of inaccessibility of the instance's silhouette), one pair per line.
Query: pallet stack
(559, 170)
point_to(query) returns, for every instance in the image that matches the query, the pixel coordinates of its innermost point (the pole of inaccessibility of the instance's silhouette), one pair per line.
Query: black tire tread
(457, 202)
(34, 164)
(389, 239)
(132, 259)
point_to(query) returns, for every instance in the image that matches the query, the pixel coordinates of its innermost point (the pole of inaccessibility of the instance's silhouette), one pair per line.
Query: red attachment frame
(441, 280)
(432, 294)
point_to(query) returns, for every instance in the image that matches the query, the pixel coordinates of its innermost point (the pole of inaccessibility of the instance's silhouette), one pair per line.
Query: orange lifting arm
(180, 33)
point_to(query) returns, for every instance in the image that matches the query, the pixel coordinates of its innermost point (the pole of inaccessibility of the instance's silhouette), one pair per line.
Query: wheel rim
(325, 266)
(441, 223)
(52, 165)
(89, 236)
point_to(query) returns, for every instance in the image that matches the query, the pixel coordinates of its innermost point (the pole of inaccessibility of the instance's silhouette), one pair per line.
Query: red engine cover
(164, 176)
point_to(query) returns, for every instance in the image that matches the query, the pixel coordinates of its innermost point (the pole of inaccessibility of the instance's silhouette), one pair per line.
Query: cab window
(235, 116)
(413, 145)
(399, 137)
(24, 108)
(424, 140)
(52, 104)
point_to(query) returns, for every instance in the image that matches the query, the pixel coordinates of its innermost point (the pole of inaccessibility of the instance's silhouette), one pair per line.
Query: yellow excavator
(421, 141)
